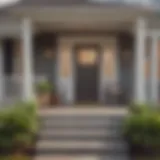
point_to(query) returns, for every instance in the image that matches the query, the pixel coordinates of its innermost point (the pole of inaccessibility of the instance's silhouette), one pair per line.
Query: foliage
(17, 157)
(43, 87)
(138, 108)
(142, 126)
(18, 123)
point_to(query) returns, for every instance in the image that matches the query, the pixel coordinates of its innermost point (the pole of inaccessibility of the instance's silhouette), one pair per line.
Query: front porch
(37, 48)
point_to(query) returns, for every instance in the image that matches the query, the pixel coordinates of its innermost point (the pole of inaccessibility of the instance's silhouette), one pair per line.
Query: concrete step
(84, 110)
(102, 141)
(80, 133)
(50, 147)
(81, 123)
(76, 127)
(83, 157)
(112, 118)
(79, 138)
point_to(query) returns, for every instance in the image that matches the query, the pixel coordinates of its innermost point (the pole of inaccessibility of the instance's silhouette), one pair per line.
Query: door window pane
(87, 56)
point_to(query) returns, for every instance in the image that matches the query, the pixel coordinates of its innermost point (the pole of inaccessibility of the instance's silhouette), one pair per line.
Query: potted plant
(54, 98)
(142, 132)
(43, 93)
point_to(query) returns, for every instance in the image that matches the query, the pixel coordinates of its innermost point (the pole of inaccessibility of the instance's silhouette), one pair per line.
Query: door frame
(66, 44)
(98, 49)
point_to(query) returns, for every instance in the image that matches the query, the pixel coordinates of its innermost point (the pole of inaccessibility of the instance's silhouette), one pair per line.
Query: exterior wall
(44, 66)
(13, 82)
(148, 65)
(45, 56)
(159, 67)
(66, 77)
(18, 66)
(126, 64)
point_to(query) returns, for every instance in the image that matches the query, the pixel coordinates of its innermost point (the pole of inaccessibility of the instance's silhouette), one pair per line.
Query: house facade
(89, 50)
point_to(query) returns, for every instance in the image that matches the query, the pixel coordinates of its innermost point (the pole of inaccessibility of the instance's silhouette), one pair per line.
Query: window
(87, 56)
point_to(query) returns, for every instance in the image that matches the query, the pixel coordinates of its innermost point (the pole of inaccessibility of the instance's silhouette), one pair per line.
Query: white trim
(27, 58)
(140, 81)
(8, 3)
(9, 27)
(151, 33)
(1, 72)
(154, 69)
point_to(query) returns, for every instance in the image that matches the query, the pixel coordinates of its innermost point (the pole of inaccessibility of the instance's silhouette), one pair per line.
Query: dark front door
(87, 73)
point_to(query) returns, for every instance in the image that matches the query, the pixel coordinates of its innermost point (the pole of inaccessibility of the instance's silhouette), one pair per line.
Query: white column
(27, 59)
(140, 84)
(1, 73)
(154, 69)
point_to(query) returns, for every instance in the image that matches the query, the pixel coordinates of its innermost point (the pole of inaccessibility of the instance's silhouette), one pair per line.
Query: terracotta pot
(43, 100)
(54, 100)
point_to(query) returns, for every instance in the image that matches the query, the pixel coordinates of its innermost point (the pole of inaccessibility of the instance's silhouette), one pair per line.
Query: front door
(87, 73)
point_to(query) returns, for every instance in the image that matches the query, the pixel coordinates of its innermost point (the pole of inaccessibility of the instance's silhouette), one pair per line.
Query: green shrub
(142, 127)
(29, 111)
(18, 123)
(15, 157)
(43, 87)
(140, 108)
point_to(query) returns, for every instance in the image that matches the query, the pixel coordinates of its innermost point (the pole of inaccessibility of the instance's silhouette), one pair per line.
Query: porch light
(5, 3)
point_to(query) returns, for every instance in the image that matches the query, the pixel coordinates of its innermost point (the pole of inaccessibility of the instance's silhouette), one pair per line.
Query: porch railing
(12, 87)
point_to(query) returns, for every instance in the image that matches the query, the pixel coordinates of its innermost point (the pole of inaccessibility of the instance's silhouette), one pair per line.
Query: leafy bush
(18, 124)
(15, 157)
(142, 127)
(43, 87)
(140, 108)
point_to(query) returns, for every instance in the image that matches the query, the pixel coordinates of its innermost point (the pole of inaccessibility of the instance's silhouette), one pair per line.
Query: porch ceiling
(84, 26)
(78, 19)
(85, 19)
(96, 20)
(70, 14)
